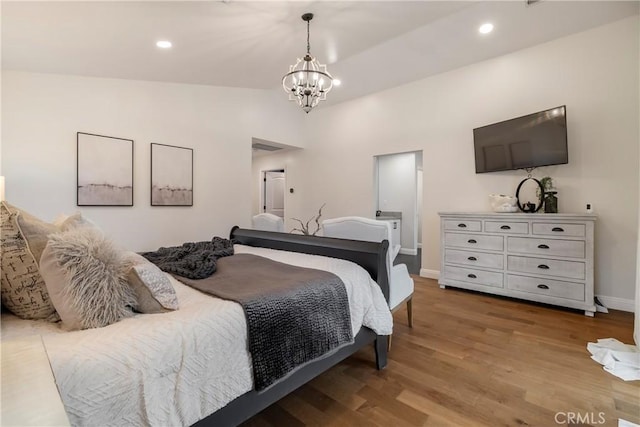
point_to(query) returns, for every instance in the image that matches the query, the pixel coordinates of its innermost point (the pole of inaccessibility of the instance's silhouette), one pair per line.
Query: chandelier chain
(308, 44)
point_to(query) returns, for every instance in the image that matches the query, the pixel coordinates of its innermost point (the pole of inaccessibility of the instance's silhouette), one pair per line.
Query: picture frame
(104, 170)
(171, 175)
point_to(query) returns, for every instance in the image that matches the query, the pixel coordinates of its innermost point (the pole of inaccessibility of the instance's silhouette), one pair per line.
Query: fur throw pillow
(86, 277)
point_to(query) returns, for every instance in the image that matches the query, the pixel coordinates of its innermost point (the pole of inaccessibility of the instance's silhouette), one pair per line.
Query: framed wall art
(171, 175)
(105, 170)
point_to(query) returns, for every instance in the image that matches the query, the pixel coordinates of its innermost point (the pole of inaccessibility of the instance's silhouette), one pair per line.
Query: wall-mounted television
(538, 139)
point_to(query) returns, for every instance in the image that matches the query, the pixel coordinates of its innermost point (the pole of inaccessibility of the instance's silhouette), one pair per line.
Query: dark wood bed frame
(371, 256)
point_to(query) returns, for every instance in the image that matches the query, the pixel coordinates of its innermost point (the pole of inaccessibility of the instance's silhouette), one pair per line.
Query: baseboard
(615, 303)
(404, 251)
(429, 274)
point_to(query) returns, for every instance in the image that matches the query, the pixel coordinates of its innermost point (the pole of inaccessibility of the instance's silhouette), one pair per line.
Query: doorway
(273, 188)
(398, 194)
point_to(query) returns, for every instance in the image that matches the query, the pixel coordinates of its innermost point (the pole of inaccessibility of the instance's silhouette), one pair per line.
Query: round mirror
(530, 194)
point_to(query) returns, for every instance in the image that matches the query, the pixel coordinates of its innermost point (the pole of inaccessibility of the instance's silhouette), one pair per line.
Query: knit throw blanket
(193, 260)
(294, 314)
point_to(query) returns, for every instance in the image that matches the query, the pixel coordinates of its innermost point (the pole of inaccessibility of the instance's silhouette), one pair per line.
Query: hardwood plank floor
(472, 360)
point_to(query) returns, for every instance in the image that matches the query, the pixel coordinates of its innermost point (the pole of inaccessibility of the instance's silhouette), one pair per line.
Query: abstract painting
(105, 170)
(171, 175)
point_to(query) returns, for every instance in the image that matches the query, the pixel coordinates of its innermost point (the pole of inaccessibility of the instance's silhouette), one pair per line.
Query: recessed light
(337, 82)
(486, 28)
(164, 44)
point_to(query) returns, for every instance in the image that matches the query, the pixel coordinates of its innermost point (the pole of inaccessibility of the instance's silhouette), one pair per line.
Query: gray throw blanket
(294, 314)
(192, 260)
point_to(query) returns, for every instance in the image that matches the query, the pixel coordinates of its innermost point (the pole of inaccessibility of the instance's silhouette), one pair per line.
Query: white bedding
(175, 368)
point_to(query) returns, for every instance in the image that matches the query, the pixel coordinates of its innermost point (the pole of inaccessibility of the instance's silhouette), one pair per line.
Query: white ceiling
(370, 46)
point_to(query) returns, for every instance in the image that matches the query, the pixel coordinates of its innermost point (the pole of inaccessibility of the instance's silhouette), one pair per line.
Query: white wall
(595, 73)
(420, 191)
(636, 328)
(397, 192)
(42, 114)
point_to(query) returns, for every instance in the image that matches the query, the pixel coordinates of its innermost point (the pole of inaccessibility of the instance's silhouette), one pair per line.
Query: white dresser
(546, 258)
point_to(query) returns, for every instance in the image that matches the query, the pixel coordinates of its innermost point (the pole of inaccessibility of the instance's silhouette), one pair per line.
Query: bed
(191, 366)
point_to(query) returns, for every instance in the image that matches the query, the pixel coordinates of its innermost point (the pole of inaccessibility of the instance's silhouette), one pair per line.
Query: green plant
(304, 226)
(547, 184)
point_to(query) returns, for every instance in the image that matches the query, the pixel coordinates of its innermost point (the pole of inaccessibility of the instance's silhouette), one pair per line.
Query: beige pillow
(86, 278)
(36, 233)
(23, 290)
(153, 289)
(74, 221)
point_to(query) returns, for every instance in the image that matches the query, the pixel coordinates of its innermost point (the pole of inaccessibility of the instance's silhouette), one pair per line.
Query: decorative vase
(550, 202)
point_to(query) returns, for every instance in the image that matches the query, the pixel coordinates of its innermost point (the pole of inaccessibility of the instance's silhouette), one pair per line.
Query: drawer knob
(543, 286)
(462, 225)
(557, 229)
(505, 227)
(543, 246)
(472, 241)
(471, 276)
(543, 266)
(472, 258)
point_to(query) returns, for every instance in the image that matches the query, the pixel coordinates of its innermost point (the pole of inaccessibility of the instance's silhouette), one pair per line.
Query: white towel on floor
(617, 358)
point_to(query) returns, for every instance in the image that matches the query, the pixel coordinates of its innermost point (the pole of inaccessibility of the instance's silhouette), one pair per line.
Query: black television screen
(538, 139)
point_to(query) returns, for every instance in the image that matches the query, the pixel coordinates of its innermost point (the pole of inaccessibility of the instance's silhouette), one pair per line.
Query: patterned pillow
(86, 278)
(23, 290)
(153, 289)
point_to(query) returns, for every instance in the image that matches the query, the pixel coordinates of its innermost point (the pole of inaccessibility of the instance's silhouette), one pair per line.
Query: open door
(273, 192)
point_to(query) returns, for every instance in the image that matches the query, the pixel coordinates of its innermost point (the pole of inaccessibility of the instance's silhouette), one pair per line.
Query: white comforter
(175, 368)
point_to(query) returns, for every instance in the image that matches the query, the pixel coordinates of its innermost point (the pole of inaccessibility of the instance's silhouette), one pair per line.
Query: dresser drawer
(477, 259)
(474, 241)
(506, 227)
(564, 248)
(478, 277)
(546, 267)
(558, 229)
(553, 288)
(462, 225)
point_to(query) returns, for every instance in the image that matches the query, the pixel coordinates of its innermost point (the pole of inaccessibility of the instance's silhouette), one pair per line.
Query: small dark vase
(550, 202)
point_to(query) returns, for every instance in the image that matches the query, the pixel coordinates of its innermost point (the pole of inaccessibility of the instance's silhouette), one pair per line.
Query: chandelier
(308, 81)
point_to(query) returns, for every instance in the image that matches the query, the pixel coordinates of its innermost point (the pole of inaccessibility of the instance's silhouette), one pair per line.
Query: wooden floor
(472, 359)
